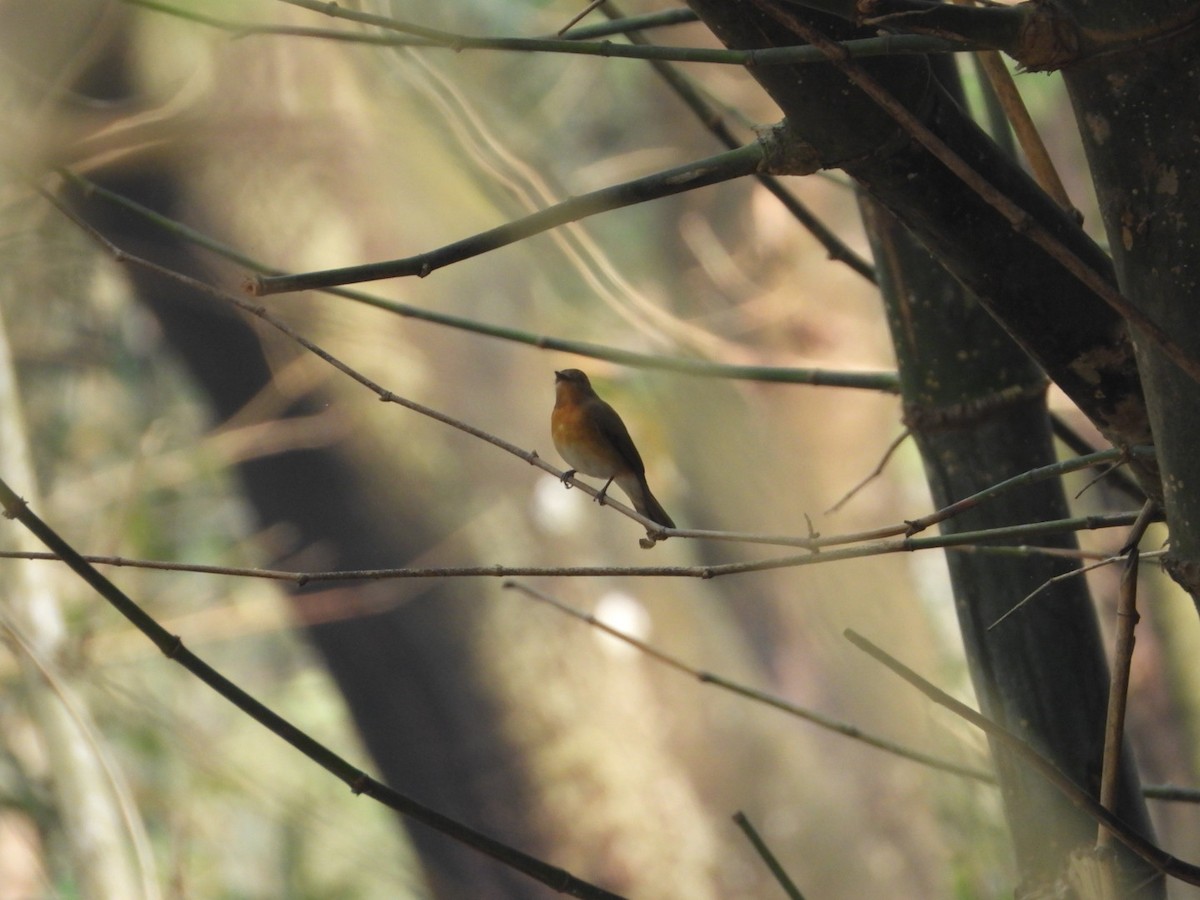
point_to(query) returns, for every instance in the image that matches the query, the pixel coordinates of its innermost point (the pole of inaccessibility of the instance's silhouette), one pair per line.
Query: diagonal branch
(727, 166)
(359, 782)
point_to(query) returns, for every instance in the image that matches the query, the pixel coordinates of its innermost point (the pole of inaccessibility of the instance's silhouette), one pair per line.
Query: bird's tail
(645, 503)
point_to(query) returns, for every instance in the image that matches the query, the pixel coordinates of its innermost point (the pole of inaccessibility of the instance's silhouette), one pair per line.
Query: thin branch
(1171, 793)
(1118, 479)
(885, 382)
(874, 473)
(579, 16)
(702, 173)
(407, 34)
(821, 721)
(1157, 857)
(962, 539)
(1053, 470)
(998, 27)
(359, 782)
(764, 852)
(630, 24)
(1074, 573)
(1017, 217)
(1118, 693)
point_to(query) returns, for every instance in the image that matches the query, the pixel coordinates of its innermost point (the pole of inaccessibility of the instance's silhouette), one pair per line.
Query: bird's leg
(566, 478)
(599, 498)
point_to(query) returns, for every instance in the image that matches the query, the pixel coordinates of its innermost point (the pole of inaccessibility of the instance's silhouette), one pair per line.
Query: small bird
(593, 440)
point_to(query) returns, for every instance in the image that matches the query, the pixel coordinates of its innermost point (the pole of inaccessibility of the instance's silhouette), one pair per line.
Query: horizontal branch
(976, 540)
(715, 169)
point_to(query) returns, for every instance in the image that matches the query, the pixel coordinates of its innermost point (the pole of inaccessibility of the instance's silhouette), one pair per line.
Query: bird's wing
(614, 429)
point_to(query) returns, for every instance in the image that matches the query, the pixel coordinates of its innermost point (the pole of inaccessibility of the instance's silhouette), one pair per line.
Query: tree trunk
(1137, 110)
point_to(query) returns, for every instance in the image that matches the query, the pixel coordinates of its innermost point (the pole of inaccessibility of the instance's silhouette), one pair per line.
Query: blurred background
(146, 422)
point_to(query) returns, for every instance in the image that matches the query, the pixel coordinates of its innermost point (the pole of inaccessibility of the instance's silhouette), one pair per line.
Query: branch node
(13, 508)
(1048, 38)
(171, 650)
(785, 153)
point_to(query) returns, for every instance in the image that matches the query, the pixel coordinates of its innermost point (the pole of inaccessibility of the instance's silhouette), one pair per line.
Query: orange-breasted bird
(593, 440)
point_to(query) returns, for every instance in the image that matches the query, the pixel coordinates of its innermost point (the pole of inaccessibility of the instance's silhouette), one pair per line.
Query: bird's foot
(603, 492)
(566, 478)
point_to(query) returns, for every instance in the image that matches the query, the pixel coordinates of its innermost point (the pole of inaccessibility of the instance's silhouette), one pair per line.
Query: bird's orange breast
(581, 443)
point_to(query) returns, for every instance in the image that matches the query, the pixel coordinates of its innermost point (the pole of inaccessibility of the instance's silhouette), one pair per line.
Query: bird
(591, 437)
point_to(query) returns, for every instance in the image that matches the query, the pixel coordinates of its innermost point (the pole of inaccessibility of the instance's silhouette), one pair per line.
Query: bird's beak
(558, 376)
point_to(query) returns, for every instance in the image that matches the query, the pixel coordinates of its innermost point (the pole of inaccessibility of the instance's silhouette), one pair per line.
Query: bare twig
(1118, 693)
(764, 852)
(579, 16)
(1074, 573)
(626, 24)
(874, 473)
(1053, 470)
(876, 548)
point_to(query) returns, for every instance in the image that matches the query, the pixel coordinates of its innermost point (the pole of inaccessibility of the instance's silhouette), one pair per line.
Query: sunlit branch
(885, 382)
(1152, 854)
(713, 170)
(359, 782)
